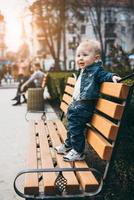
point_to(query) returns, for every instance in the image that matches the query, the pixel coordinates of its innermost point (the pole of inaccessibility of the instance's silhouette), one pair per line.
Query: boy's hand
(115, 79)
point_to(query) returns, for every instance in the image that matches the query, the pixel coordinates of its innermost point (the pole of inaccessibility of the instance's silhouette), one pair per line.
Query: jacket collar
(94, 65)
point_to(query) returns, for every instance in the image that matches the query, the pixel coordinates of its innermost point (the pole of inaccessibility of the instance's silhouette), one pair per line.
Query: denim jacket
(91, 79)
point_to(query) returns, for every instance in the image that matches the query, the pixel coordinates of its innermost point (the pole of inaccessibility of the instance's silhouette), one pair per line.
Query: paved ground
(13, 142)
(8, 84)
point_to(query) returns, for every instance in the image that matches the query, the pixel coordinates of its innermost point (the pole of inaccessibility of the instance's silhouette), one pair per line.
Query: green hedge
(56, 82)
(121, 70)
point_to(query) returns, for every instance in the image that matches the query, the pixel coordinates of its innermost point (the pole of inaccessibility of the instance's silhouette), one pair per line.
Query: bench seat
(44, 136)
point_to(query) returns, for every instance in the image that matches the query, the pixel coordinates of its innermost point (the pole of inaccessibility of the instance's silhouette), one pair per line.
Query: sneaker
(62, 149)
(73, 156)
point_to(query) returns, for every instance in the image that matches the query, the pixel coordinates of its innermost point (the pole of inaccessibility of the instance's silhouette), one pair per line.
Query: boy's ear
(97, 56)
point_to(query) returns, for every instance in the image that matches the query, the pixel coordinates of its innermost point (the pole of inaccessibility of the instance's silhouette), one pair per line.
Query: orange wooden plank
(46, 159)
(71, 81)
(69, 90)
(100, 145)
(64, 107)
(87, 179)
(61, 129)
(112, 109)
(44, 80)
(106, 127)
(31, 185)
(119, 90)
(67, 99)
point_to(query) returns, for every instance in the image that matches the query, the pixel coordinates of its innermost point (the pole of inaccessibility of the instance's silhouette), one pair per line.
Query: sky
(12, 11)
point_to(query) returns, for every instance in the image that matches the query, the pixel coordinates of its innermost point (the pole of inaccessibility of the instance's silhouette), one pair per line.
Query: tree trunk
(64, 32)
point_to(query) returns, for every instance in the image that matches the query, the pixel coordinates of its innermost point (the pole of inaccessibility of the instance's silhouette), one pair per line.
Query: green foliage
(53, 20)
(120, 70)
(56, 83)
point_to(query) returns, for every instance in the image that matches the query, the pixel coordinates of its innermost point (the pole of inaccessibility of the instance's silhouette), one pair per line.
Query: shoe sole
(62, 153)
(16, 104)
(67, 160)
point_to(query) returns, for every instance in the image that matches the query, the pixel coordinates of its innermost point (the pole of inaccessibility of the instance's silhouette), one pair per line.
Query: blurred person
(23, 75)
(8, 77)
(35, 80)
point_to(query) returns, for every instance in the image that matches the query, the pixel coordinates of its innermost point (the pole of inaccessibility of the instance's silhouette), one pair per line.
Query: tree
(23, 51)
(96, 15)
(52, 17)
(102, 16)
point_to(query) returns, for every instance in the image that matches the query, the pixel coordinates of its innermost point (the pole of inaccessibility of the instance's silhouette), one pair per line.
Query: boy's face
(84, 56)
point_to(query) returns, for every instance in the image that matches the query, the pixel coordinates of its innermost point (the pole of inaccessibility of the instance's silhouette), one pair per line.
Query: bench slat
(106, 127)
(69, 90)
(119, 90)
(100, 145)
(67, 99)
(111, 109)
(31, 185)
(46, 158)
(71, 81)
(87, 179)
(43, 84)
(61, 129)
(72, 183)
(64, 107)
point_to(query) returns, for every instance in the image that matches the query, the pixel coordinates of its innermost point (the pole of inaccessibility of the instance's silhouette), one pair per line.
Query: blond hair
(91, 45)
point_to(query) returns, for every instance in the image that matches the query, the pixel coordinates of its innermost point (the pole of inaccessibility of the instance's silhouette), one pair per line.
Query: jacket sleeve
(103, 76)
(32, 78)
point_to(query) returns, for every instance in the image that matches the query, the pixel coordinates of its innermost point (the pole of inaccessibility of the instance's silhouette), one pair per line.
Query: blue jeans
(79, 113)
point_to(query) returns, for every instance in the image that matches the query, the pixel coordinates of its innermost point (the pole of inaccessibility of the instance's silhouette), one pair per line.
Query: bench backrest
(105, 123)
(43, 84)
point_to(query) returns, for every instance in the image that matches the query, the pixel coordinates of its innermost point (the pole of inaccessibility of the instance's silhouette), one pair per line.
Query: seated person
(35, 80)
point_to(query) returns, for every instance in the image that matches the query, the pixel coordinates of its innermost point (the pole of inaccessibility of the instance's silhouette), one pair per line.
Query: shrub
(56, 83)
(120, 70)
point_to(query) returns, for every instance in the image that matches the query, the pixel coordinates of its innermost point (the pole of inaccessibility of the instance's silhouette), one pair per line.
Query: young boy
(86, 92)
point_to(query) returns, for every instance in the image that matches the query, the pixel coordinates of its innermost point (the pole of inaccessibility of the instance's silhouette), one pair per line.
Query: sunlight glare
(13, 34)
(11, 10)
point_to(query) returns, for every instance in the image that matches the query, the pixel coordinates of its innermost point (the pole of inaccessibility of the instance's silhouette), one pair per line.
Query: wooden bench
(49, 177)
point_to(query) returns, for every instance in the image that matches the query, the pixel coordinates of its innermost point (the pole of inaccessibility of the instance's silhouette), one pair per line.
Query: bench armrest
(59, 171)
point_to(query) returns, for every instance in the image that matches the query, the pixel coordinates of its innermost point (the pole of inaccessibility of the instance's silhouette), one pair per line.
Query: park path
(13, 134)
(13, 142)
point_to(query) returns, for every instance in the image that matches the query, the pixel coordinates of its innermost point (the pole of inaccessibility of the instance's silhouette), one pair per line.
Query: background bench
(76, 179)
